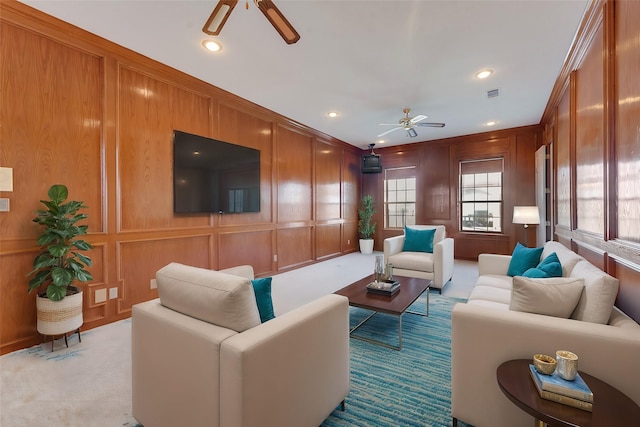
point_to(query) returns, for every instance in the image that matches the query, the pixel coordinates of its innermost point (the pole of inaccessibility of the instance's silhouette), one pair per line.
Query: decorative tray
(384, 287)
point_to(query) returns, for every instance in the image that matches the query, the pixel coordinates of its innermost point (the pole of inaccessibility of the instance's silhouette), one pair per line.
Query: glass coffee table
(410, 290)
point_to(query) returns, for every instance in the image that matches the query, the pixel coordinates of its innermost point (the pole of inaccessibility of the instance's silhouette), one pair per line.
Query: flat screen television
(214, 176)
(371, 163)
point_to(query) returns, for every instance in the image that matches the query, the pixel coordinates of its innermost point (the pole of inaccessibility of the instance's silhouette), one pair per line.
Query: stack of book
(574, 393)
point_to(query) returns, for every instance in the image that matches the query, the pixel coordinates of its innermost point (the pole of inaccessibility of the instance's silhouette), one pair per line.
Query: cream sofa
(201, 357)
(485, 333)
(436, 266)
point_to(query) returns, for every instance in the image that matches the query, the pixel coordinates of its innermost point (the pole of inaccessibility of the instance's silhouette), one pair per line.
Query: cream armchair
(201, 357)
(436, 266)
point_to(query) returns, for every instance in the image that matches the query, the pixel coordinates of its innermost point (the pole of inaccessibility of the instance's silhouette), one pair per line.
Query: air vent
(493, 93)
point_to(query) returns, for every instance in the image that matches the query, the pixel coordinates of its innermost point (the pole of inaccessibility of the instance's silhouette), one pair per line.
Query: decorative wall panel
(294, 172)
(590, 147)
(140, 260)
(51, 111)
(328, 240)
(149, 111)
(628, 121)
(327, 181)
(295, 246)
(562, 157)
(238, 248)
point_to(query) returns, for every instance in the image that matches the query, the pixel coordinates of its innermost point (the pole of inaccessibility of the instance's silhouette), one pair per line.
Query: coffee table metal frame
(396, 305)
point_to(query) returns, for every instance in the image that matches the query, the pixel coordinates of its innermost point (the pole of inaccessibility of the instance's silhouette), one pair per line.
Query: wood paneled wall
(592, 122)
(82, 111)
(437, 166)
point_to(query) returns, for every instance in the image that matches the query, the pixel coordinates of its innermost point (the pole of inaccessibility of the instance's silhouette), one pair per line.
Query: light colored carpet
(89, 384)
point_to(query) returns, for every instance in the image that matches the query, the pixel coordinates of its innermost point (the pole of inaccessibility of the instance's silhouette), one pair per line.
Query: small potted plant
(366, 228)
(60, 264)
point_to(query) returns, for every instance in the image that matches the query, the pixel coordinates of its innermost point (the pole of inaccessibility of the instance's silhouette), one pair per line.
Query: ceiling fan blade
(389, 131)
(431, 125)
(416, 119)
(277, 19)
(219, 16)
(387, 124)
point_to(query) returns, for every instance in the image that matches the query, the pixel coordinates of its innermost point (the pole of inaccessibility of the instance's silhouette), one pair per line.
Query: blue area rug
(411, 387)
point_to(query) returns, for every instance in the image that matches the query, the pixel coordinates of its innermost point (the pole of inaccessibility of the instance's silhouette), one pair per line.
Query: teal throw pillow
(522, 259)
(262, 289)
(418, 240)
(548, 267)
(551, 265)
(536, 273)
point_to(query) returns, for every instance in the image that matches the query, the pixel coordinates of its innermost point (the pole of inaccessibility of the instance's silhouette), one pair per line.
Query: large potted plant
(366, 228)
(60, 264)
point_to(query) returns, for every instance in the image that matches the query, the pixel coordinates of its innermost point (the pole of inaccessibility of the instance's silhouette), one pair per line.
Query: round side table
(610, 406)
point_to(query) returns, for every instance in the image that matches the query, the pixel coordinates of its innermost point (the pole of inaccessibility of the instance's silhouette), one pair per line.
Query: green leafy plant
(366, 228)
(60, 263)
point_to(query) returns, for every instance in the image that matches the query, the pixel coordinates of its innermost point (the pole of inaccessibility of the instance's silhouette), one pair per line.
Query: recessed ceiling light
(333, 114)
(491, 123)
(212, 45)
(484, 74)
(380, 141)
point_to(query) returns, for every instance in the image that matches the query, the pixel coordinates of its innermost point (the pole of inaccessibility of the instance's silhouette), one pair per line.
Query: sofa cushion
(522, 259)
(599, 295)
(568, 259)
(262, 289)
(416, 240)
(417, 261)
(495, 281)
(556, 296)
(548, 267)
(219, 298)
(490, 293)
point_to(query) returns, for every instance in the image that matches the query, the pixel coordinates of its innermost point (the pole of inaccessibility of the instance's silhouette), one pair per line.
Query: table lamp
(526, 215)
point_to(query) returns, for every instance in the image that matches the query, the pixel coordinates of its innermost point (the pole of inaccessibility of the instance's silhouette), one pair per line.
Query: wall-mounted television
(371, 163)
(214, 176)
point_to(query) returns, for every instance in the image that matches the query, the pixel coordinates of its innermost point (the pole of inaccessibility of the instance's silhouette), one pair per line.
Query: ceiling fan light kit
(223, 9)
(409, 123)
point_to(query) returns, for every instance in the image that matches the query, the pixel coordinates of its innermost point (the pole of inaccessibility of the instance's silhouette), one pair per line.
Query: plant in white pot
(60, 264)
(366, 228)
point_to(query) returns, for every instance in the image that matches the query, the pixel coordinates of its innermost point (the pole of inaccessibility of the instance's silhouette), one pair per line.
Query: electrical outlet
(113, 293)
(153, 284)
(348, 241)
(275, 258)
(4, 204)
(100, 295)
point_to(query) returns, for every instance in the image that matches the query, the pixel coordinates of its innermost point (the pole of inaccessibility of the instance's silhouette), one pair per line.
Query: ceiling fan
(409, 123)
(223, 9)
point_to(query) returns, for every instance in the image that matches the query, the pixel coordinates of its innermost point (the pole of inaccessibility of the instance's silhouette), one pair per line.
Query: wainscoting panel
(140, 260)
(629, 293)
(239, 248)
(295, 246)
(328, 240)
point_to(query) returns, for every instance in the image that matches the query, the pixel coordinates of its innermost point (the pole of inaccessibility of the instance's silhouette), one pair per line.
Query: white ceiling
(365, 59)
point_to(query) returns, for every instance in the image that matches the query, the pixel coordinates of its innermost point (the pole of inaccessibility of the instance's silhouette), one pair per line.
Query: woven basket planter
(59, 317)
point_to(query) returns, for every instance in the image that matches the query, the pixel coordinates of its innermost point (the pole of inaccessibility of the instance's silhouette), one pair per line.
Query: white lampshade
(526, 215)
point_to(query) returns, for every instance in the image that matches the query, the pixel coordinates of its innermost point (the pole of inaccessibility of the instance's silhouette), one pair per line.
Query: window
(481, 195)
(399, 197)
